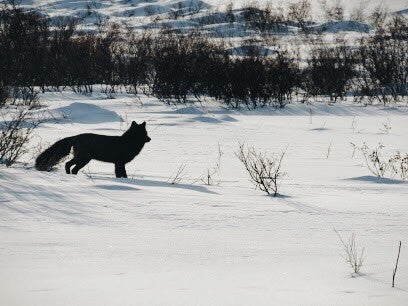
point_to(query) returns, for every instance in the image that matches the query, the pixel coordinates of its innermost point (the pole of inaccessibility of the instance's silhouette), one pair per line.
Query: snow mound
(247, 50)
(342, 26)
(86, 113)
(402, 12)
(189, 111)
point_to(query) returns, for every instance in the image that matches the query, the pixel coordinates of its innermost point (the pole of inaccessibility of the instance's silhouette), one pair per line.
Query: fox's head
(139, 130)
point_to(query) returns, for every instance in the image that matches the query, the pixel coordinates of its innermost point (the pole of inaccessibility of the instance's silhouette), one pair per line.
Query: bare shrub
(109, 91)
(177, 11)
(385, 127)
(229, 12)
(401, 164)
(394, 271)
(258, 80)
(265, 171)
(246, 79)
(264, 19)
(329, 150)
(26, 96)
(375, 162)
(178, 175)
(4, 94)
(137, 71)
(358, 12)
(381, 166)
(300, 12)
(14, 137)
(23, 36)
(351, 253)
(330, 70)
(355, 126)
(397, 27)
(378, 16)
(187, 65)
(209, 177)
(383, 62)
(333, 11)
(282, 77)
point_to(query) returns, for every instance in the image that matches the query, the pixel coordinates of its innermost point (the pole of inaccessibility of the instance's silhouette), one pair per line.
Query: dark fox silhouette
(112, 149)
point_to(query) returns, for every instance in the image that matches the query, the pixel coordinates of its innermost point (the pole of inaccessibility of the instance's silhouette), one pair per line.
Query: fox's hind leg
(69, 164)
(120, 170)
(79, 165)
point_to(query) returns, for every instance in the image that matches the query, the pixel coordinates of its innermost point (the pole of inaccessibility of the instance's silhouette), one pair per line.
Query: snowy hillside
(138, 13)
(92, 239)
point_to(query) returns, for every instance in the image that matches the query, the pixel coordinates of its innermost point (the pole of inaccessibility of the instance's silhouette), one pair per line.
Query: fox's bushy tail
(50, 157)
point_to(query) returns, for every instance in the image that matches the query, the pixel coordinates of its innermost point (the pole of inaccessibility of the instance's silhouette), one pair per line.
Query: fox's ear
(134, 124)
(144, 123)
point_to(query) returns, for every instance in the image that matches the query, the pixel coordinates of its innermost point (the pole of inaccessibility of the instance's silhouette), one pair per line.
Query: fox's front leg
(120, 170)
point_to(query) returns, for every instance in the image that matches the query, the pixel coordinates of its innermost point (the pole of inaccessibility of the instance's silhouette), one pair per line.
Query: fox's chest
(125, 153)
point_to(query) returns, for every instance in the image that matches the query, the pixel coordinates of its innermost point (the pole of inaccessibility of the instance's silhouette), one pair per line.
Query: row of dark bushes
(178, 67)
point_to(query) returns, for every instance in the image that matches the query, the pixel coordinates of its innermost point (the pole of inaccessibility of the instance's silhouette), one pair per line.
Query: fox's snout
(148, 139)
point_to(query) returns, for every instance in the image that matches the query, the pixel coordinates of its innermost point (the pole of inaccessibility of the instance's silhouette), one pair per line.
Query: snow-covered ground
(93, 239)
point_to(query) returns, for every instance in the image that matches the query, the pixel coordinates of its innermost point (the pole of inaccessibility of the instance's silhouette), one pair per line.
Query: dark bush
(330, 71)
(14, 136)
(300, 12)
(383, 62)
(184, 65)
(4, 94)
(135, 65)
(266, 19)
(23, 40)
(171, 60)
(282, 77)
(259, 80)
(247, 80)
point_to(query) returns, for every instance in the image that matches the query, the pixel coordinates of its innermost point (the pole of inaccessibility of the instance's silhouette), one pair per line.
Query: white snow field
(93, 239)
